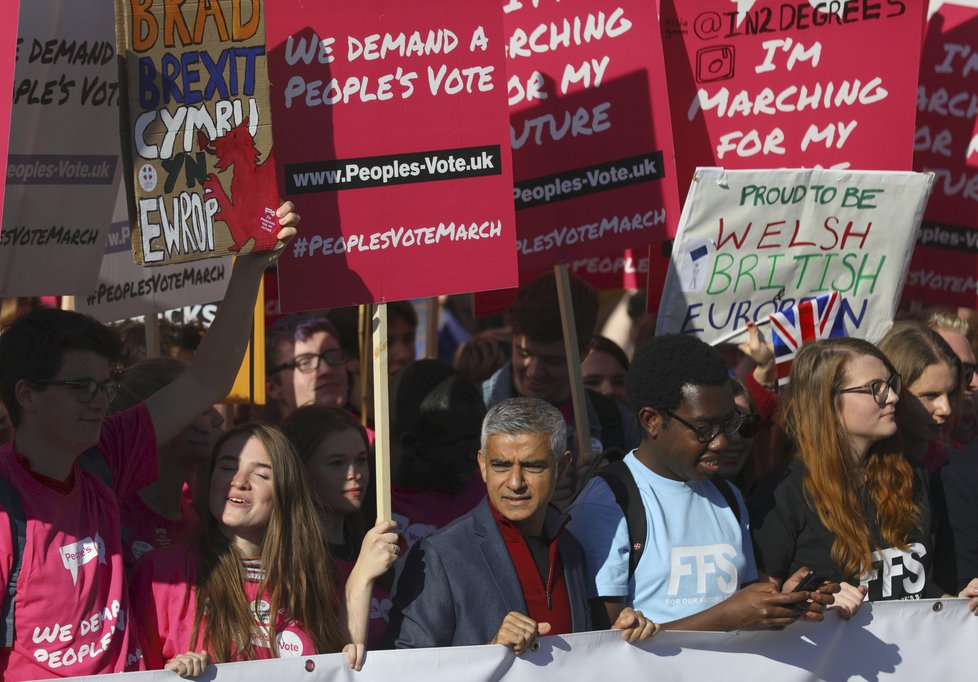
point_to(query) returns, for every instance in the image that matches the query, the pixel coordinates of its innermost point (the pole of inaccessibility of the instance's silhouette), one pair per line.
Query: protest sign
(752, 243)
(391, 130)
(888, 640)
(783, 83)
(8, 47)
(124, 289)
(197, 129)
(61, 178)
(627, 270)
(590, 130)
(944, 269)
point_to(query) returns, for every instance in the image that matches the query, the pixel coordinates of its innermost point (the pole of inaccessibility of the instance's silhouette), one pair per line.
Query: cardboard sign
(391, 130)
(944, 269)
(61, 179)
(590, 129)
(197, 129)
(8, 47)
(752, 243)
(781, 83)
(125, 289)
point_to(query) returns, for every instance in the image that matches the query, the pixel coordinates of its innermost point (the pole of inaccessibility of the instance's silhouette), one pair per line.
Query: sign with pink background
(392, 140)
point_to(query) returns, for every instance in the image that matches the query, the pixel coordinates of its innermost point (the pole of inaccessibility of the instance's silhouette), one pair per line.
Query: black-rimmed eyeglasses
(309, 362)
(879, 389)
(709, 432)
(84, 389)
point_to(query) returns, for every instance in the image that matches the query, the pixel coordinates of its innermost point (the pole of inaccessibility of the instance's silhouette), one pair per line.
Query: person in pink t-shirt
(334, 448)
(70, 608)
(254, 585)
(162, 513)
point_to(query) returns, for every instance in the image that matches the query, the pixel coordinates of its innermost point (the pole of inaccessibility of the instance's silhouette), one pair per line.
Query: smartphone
(810, 582)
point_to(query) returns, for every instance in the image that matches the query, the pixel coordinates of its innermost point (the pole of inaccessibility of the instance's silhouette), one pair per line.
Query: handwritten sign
(944, 269)
(782, 83)
(590, 129)
(61, 179)
(197, 127)
(752, 243)
(395, 147)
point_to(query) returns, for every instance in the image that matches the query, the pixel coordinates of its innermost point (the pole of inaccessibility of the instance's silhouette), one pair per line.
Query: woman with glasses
(848, 505)
(255, 584)
(736, 461)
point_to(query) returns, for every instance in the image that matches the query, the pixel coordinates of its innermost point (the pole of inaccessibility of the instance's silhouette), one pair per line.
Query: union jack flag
(816, 318)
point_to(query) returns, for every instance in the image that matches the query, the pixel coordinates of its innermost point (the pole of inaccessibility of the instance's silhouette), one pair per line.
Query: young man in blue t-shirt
(697, 569)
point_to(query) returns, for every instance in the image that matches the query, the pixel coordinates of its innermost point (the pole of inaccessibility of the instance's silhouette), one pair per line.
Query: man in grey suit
(507, 572)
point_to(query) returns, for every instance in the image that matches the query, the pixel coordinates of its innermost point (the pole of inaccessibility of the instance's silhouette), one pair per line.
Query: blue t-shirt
(696, 554)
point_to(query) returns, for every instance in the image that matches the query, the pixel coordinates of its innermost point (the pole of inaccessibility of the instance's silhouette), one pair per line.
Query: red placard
(628, 270)
(8, 58)
(768, 84)
(945, 262)
(591, 135)
(390, 131)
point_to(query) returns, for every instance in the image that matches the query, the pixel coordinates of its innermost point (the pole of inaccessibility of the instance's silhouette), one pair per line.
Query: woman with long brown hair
(256, 584)
(333, 446)
(848, 505)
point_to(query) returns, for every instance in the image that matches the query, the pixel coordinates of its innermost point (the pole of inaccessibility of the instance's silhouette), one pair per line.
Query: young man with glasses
(60, 538)
(696, 570)
(306, 366)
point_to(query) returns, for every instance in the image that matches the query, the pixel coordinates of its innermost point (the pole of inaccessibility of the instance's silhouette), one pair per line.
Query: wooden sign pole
(151, 324)
(365, 362)
(431, 329)
(571, 348)
(381, 413)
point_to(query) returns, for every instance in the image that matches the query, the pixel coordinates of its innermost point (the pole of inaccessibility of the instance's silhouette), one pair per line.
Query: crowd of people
(177, 536)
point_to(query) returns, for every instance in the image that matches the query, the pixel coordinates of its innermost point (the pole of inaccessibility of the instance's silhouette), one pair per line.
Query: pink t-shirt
(144, 530)
(72, 608)
(164, 596)
(419, 513)
(380, 603)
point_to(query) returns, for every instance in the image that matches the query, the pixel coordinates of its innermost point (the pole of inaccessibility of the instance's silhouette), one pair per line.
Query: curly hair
(666, 364)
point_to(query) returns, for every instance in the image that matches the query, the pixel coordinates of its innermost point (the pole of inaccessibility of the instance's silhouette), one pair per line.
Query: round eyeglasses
(879, 389)
(84, 389)
(709, 432)
(309, 362)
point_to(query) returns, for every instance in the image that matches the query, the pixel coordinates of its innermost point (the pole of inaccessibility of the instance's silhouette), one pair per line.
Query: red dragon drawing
(249, 211)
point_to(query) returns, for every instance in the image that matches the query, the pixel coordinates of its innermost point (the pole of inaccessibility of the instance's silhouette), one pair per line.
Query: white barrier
(907, 640)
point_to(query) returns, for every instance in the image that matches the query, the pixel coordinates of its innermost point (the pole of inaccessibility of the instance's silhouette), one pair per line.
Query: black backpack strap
(723, 485)
(10, 500)
(619, 478)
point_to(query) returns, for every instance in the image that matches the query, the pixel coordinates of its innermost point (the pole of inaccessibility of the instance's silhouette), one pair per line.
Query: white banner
(61, 173)
(902, 640)
(755, 242)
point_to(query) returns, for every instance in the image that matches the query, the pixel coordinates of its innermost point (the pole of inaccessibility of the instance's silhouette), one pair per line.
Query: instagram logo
(715, 63)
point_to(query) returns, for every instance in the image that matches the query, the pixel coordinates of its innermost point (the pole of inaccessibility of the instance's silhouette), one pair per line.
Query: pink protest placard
(8, 58)
(769, 84)
(391, 136)
(944, 268)
(627, 270)
(591, 135)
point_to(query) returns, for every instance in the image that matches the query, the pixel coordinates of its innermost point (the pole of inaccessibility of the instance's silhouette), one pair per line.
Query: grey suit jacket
(460, 582)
